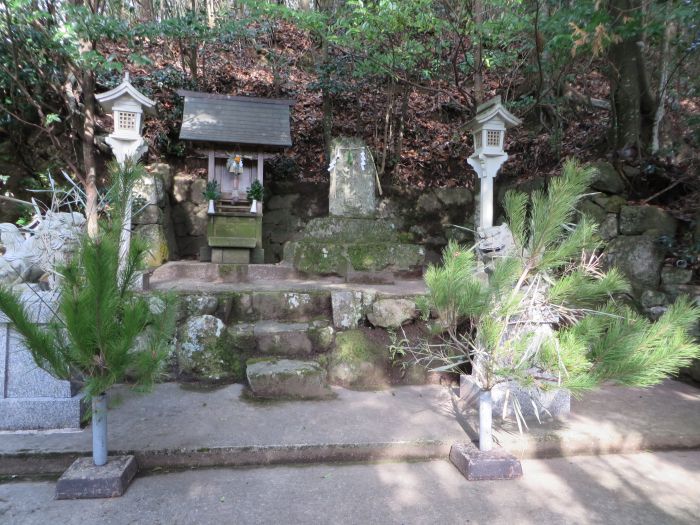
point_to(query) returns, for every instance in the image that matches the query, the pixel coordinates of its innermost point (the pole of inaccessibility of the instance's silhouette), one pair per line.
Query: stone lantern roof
(117, 96)
(490, 110)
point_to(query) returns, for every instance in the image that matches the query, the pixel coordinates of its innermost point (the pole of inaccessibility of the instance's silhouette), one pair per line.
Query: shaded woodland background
(595, 79)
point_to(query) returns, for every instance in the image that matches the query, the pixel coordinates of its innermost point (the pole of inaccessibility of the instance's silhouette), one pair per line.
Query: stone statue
(50, 244)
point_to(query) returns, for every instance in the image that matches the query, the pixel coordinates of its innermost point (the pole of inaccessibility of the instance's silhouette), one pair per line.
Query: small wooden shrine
(235, 135)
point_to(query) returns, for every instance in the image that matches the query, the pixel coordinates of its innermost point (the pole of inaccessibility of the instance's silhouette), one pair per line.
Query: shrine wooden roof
(235, 120)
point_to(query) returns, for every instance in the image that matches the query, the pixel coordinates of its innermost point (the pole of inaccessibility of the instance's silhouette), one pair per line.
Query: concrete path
(176, 426)
(640, 489)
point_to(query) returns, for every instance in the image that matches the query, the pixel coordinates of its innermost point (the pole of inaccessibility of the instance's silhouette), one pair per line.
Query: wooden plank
(211, 168)
(261, 162)
(218, 96)
(221, 154)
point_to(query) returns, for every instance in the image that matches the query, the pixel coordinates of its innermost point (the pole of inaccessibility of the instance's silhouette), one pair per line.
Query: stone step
(220, 273)
(286, 378)
(273, 338)
(254, 306)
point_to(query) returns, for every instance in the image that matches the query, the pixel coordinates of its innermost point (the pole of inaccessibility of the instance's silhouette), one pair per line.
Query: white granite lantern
(127, 106)
(488, 129)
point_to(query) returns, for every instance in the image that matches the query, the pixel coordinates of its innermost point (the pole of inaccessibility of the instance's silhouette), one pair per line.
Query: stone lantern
(127, 106)
(488, 129)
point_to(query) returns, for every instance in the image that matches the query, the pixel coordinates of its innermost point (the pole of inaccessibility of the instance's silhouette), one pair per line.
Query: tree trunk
(631, 98)
(210, 13)
(478, 58)
(192, 59)
(402, 120)
(88, 147)
(663, 80)
(387, 124)
(326, 100)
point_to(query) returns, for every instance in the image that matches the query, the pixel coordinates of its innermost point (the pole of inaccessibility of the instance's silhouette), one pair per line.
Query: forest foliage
(591, 77)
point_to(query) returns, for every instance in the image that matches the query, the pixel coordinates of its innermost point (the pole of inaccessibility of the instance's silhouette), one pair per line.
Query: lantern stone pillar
(488, 130)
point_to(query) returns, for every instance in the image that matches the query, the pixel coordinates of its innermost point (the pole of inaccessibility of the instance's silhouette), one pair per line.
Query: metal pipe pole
(99, 430)
(485, 421)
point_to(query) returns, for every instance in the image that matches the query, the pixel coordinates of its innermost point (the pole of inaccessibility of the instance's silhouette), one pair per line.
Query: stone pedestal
(355, 248)
(475, 465)
(352, 242)
(84, 480)
(32, 399)
(230, 256)
(235, 238)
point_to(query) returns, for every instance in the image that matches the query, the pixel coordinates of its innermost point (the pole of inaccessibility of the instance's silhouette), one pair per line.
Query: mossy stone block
(320, 258)
(350, 230)
(358, 362)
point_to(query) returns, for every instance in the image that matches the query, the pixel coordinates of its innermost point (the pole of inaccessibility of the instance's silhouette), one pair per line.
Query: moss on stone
(369, 257)
(227, 269)
(406, 237)
(350, 230)
(327, 258)
(407, 256)
(323, 361)
(253, 360)
(320, 258)
(354, 346)
(321, 337)
(230, 351)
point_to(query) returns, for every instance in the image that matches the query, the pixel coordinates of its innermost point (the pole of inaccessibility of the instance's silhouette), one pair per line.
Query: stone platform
(201, 277)
(269, 311)
(355, 247)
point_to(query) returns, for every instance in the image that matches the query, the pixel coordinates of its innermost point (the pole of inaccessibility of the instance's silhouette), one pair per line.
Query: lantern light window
(493, 138)
(126, 120)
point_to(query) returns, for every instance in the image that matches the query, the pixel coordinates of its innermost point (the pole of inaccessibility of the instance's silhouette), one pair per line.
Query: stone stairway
(266, 324)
